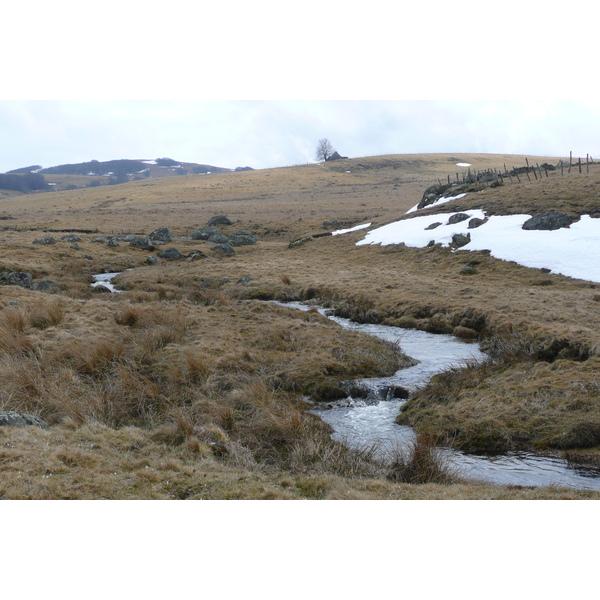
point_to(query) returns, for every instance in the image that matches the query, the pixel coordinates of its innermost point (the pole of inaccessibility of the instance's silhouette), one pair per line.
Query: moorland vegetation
(189, 385)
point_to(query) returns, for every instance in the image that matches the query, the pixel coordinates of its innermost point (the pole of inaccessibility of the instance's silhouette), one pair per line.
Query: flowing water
(105, 280)
(359, 422)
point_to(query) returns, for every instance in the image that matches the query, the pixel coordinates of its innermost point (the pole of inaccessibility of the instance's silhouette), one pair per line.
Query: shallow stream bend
(356, 422)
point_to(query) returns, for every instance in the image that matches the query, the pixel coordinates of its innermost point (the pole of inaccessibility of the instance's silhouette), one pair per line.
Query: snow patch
(573, 251)
(463, 164)
(357, 228)
(440, 201)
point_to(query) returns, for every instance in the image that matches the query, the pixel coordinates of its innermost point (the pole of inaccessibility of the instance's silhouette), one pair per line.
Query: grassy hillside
(186, 364)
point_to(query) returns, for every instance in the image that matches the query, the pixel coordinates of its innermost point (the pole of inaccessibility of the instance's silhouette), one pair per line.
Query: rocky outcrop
(19, 278)
(46, 241)
(14, 419)
(71, 237)
(548, 221)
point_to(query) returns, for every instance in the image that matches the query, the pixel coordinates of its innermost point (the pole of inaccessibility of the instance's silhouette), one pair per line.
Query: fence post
(580, 164)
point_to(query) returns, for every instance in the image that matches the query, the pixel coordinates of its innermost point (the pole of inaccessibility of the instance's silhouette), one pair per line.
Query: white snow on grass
(463, 164)
(440, 201)
(573, 251)
(357, 228)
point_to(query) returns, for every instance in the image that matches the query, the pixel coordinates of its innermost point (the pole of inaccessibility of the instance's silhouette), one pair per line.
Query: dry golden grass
(194, 365)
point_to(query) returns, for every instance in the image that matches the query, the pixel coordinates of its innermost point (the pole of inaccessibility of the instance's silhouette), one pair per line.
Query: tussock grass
(215, 379)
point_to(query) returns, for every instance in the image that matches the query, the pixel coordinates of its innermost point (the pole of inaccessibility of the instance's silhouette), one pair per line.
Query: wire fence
(495, 177)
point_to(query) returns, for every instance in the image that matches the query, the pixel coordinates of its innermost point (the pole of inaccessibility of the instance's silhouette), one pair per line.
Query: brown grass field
(187, 386)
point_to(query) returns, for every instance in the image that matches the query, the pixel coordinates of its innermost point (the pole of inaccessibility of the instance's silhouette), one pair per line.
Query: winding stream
(357, 422)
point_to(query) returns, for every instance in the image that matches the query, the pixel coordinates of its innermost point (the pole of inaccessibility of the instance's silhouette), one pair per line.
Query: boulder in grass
(220, 220)
(204, 233)
(457, 218)
(11, 418)
(20, 278)
(45, 285)
(171, 254)
(71, 237)
(223, 249)
(142, 242)
(161, 234)
(242, 238)
(46, 241)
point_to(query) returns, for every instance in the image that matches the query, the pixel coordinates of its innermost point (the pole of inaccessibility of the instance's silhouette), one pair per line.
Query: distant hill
(95, 173)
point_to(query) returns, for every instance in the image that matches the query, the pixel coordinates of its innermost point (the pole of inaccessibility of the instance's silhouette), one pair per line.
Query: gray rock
(142, 242)
(245, 279)
(457, 218)
(548, 221)
(214, 282)
(100, 239)
(459, 240)
(220, 220)
(468, 270)
(45, 240)
(476, 222)
(432, 226)
(204, 233)
(71, 237)
(19, 278)
(223, 249)
(196, 256)
(153, 260)
(218, 238)
(171, 254)
(241, 238)
(126, 238)
(45, 285)
(11, 418)
(161, 235)
(112, 243)
(75, 246)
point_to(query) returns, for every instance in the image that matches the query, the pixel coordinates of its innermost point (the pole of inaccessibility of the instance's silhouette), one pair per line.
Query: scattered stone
(218, 238)
(432, 226)
(161, 234)
(196, 256)
(100, 239)
(171, 254)
(204, 233)
(11, 418)
(459, 240)
(101, 289)
(242, 238)
(457, 218)
(153, 260)
(71, 237)
(245, 279)
(220, 220)
(548, 221)
(19, 278)
(17, 303)
(112, 243)
(75, 246)
(45, 240)
(45, 285)
(143, 243)
(476, 222)
(469, 270)
(214, 282)
(224, 249)
(126, 238)
(300, 241)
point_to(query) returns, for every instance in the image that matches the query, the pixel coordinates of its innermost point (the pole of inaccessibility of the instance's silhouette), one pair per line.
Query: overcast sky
(235, 67)
(263, 134)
